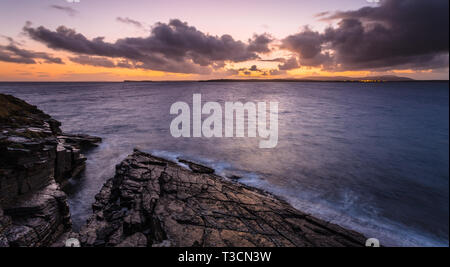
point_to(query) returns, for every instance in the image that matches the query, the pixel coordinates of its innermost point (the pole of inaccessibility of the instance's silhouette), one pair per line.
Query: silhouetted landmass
(383, 78)
(387, 78)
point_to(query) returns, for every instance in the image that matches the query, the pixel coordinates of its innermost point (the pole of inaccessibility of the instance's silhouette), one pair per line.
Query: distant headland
(368, 79)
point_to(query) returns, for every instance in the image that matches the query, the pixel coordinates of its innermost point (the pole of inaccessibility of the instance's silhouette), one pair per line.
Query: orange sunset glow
(74, 42)
(212, 132)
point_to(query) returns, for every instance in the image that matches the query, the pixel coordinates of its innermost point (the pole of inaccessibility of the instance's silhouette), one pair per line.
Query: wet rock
(80, 140)
(135, 240)
(39, 218)
(167, 205)
(195, 167)
(234, 177)
(35, 159)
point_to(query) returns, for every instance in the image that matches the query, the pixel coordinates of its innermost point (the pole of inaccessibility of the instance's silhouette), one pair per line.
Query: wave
(389, 233)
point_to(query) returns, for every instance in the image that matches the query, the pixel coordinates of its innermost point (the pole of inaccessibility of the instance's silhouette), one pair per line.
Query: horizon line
(236, 80)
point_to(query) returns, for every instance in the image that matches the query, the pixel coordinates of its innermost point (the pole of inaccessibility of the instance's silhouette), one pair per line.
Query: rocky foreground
(149, 202)
(155, 202)
(36, 159)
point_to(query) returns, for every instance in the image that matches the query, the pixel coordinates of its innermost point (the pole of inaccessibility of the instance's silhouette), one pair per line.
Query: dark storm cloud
(173, 47)
(308, 45)
(290, 64)
(12, 53)
(93, 61)
(130, 21)
(68, 10)
(260, 43)
(278, 59)
(397, 33)
(253, 68)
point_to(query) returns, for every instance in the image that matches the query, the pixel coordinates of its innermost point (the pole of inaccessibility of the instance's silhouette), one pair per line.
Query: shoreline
(142, 215)
(390, 233)
(189, 207)
(331, 212)
(37, 159)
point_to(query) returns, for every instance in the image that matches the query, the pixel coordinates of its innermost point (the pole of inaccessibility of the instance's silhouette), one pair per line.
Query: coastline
(138, 221)
(152, 201)
(37, 159)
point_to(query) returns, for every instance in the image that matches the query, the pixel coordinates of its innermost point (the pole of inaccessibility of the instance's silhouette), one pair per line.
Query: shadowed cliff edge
(149, 202)
(36, 158)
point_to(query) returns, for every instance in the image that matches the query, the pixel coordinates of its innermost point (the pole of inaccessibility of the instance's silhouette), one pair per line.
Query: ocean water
(370, 157)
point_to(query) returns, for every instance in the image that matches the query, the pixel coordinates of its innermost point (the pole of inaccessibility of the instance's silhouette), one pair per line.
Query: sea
(372, 157)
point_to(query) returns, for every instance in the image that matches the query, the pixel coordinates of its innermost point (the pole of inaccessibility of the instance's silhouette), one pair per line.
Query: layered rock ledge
(155, 202)
(36, 159)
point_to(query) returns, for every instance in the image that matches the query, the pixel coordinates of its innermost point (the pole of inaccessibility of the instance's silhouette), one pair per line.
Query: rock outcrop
(36, 158)
(149, 202)
(155, 202)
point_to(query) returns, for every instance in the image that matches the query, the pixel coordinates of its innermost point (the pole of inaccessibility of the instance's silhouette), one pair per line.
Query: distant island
(368, 79)
(388, 78)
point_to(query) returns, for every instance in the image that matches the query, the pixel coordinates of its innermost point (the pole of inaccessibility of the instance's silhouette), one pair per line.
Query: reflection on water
(373, 157)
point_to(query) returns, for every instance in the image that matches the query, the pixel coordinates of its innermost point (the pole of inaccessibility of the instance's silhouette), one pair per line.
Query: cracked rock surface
(155, 202)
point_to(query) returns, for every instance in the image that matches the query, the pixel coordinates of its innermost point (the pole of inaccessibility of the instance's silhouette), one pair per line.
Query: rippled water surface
(372, 157)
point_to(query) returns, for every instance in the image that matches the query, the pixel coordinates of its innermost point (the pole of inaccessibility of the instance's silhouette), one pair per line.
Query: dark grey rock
(195, 167)
(35, 159)
(167, 205)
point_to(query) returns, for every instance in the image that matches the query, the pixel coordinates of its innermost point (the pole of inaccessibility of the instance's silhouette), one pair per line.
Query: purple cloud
(397, 33)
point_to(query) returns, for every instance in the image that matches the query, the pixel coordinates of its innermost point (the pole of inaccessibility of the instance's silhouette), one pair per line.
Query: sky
(114, 40)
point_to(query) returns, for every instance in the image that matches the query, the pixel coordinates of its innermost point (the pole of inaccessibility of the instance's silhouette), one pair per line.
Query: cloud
(125, 64)
(307, 43)
(396, 33)
(277, 72)
(322, 14)
(253, 68)
(93, 61)
(231, 72)
(260, 43)
(290, 64)
(68, 10)
(173, 47)
(278, 59)
(249, 71)
(12, 53)
(130, 21)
